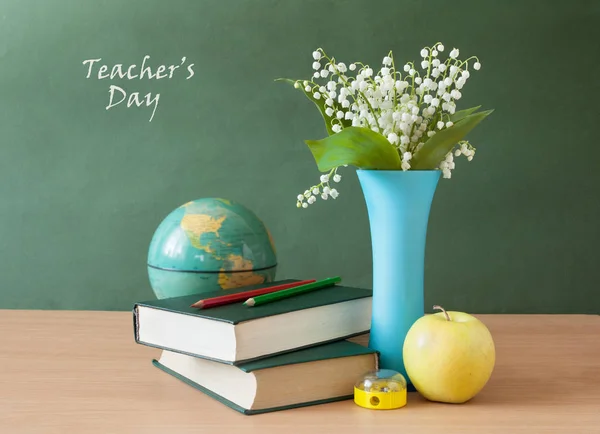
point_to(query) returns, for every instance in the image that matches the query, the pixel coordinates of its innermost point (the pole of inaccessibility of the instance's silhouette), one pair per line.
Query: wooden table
(81, 372)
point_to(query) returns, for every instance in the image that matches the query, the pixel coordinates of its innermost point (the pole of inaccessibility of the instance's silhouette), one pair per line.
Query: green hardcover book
(311, 376)
(235, 333)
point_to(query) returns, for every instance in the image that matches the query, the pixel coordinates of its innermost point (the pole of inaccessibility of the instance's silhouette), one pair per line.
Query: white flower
(470, 158)
(349, 115)
(440, 125)
(315, 190)
(427, 99)
(442, 67)
(300, 197)
(447, 81)
(434, 53)
(477, 66)
(329, 111)
(307, 88)
(436, 62)
(457, 152)
(316, 65)
(317, 95)
(329, 102)
(307, 194)
(393, 138)
(447, 173)
(304, 205)
(440, 48)
(316, 74)
(368, 72)
(336, 128)
(337, 178)
(342, 67)
(326, 190)
(424, 53)
(352, 67)
(454, 53)
(435, 102)
(406, 67)
(446, 97)
(430, 133)
(346, 104)
(466, 74)
(297, 85)
(311, 200)
(449, 124)
(411, 72)
(435, 73)
(405, 165)
(418, 80)
(385, 71)
(387, 60)
(456, 94)
(404, 140)
(316, 55)
(340, 114)
(406, 156)
(324, 73)
(334, 193)
(324, 196)
(424, 64)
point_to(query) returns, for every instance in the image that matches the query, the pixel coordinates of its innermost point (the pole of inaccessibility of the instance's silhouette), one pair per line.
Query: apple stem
(443, 310)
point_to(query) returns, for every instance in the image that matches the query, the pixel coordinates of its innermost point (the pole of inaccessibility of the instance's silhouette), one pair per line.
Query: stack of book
(280, 355)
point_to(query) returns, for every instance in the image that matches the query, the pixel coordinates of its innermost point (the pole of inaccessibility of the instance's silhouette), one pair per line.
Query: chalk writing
(118, 95)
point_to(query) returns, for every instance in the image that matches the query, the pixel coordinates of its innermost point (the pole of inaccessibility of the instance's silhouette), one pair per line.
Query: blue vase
(398, 204)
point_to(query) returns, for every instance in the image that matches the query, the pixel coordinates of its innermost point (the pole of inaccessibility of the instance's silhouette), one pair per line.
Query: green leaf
(435, 149)
(459, 115)
(356, 146)
(320, 103)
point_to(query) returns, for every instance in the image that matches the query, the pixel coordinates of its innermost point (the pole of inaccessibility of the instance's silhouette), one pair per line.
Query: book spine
(136, 324)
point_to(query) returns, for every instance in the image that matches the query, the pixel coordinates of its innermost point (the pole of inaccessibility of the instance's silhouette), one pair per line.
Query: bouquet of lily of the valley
(393, 119)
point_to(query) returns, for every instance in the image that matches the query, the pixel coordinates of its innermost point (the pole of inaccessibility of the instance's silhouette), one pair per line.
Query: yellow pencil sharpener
(384, 389)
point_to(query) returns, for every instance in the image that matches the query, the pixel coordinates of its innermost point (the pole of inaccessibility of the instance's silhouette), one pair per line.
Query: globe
(209, 244)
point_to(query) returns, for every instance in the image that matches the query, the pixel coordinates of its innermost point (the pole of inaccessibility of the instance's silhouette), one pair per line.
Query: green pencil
(285, 293)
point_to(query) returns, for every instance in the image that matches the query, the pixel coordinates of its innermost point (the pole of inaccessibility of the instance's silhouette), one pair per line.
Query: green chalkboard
(83, 187)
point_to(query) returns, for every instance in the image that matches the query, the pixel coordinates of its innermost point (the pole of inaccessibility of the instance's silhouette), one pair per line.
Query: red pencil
(243, 296)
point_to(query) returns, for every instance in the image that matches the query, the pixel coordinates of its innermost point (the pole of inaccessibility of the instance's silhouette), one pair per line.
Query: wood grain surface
(81, 372)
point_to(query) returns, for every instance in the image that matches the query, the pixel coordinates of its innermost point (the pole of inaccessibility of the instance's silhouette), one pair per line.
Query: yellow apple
(449, 356)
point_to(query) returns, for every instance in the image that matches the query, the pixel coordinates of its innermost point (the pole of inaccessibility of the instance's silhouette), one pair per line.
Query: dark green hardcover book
(316, 375)
(235, 333)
